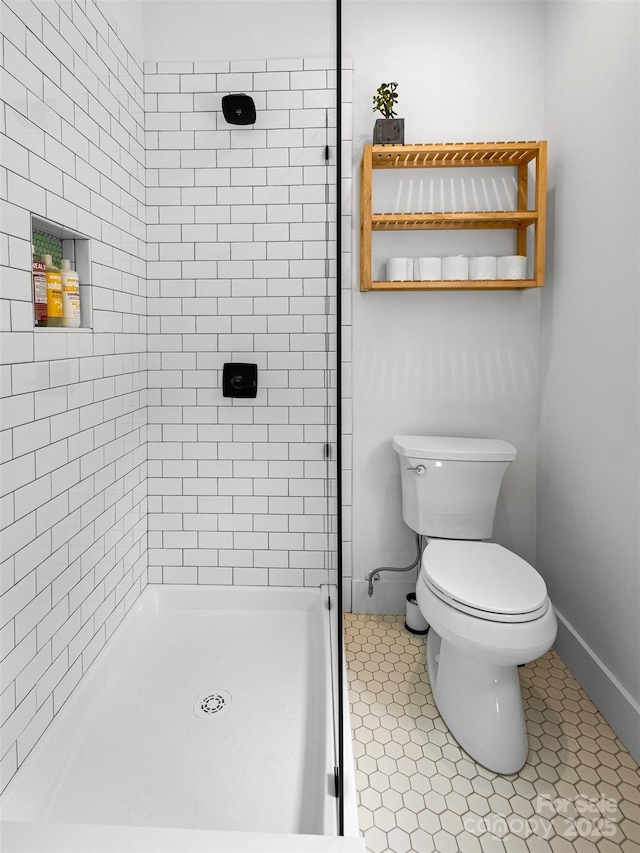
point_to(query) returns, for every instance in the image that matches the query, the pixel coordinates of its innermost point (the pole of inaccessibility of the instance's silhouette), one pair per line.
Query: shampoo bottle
(54, 292)
(39, 272)
(70, 295)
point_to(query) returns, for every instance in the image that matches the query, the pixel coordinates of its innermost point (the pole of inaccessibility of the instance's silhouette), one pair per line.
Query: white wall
(73, 439)
(589, 452)
(474, 356)
(443, 363)
(235, 33)
(238, 254)
(127, 19)
(74, 442)
(207, 30)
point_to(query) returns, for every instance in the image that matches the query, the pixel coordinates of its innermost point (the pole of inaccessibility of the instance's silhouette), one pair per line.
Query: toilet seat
(484, 580)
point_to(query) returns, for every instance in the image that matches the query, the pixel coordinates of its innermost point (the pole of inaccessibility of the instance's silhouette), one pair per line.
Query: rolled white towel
(512, 267)
(427, 269)
(399, 269)
(455, 268)
(482, 268)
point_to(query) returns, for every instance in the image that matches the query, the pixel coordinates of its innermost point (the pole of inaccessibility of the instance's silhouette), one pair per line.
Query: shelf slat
(485, 219)
(453, 154)
(444, 284)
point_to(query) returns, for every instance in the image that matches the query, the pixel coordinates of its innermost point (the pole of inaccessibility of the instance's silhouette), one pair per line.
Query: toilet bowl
(487, 608)
(486, 618)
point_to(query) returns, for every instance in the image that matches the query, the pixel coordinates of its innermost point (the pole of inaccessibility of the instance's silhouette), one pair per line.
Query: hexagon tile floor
(419, 792)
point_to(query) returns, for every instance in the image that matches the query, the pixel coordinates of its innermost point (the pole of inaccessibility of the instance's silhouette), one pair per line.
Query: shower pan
(207, 719)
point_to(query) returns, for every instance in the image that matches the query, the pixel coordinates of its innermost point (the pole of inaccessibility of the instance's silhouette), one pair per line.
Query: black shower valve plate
(239, 380)
(239, 109)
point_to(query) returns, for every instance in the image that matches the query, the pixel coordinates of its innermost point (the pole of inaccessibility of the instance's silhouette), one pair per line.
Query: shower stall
(186, 671)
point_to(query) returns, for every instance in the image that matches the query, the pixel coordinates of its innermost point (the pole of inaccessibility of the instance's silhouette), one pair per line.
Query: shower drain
(212, 704)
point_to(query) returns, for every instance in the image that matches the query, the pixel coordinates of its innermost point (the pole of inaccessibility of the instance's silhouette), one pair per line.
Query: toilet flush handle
(419, 469)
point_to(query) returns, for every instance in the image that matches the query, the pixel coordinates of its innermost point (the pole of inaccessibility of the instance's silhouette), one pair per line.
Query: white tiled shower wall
(73, 440)
(241, 269)
(238, 490)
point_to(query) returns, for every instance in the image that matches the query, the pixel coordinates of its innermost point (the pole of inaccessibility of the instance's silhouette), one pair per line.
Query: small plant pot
(388, 131)
(415, 621)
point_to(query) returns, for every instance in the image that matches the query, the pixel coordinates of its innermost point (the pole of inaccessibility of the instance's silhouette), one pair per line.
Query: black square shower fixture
(239, 380)
(239, 109)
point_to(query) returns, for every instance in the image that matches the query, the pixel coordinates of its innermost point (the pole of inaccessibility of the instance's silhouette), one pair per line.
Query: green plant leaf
(385, 99)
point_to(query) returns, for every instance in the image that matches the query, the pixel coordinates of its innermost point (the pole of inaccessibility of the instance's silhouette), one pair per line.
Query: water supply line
(374, 574)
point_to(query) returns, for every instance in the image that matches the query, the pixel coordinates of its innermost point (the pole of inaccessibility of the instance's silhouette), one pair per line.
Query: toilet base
(481, 704)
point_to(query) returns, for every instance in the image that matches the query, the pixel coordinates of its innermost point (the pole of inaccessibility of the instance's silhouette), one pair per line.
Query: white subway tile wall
(235, 491)
(242, 268)
(73, 418)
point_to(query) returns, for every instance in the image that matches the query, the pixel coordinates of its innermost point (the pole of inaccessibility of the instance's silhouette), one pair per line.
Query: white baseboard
(346, 595)
(615, 703)
(389, 597)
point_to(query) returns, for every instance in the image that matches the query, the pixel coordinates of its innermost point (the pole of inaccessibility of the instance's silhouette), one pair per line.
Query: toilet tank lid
(459, 449)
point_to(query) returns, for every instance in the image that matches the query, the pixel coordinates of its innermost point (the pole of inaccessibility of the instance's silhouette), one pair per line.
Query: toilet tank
(450, 486)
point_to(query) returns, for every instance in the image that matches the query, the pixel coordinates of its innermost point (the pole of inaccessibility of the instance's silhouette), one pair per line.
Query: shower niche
(61, 242)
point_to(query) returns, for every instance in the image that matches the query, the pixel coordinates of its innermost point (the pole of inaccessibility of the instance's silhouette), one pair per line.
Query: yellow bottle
(70, 295)
(54, 292)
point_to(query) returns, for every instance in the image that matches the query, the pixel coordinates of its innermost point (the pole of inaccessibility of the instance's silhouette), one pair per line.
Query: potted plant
(388, 130)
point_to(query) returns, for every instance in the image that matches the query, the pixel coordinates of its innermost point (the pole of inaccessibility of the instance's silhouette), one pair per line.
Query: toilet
(487, 608)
